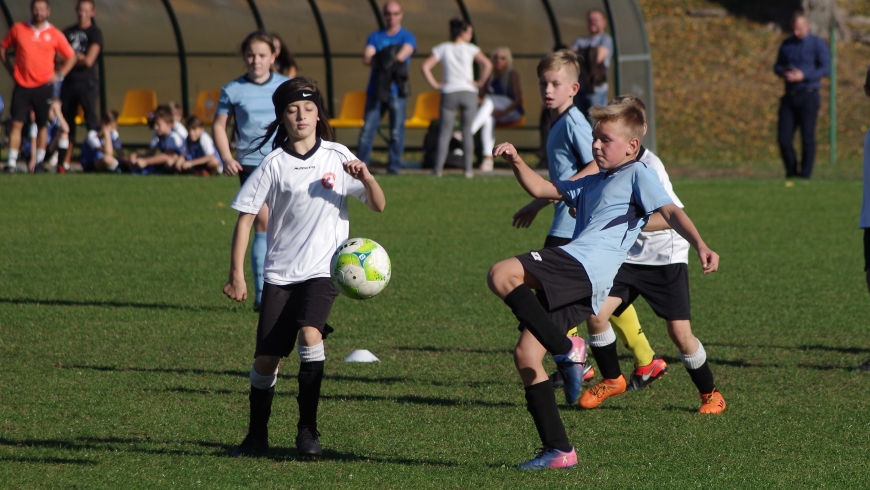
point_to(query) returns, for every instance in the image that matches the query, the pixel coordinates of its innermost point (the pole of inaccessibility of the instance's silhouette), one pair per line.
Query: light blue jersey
(612, 208)
(250, 104)
(569, 148)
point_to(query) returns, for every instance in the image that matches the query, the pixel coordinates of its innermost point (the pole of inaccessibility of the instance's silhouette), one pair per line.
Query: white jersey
(665, 246)
(307, 198)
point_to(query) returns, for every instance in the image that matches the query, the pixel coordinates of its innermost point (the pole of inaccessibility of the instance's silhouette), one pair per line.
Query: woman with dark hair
(306, 181)
(285, 62)
(458, 88)
(248, 99)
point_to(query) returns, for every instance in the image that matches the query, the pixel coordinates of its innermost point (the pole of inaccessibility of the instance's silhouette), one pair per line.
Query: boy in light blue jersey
(612, 208)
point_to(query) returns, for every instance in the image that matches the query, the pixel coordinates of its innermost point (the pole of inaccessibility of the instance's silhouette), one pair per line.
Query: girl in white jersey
(305, 181)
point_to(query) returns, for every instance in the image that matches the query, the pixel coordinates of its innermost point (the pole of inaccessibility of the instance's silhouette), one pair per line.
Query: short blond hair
(629, 118)
(629, 100)
(556, 60)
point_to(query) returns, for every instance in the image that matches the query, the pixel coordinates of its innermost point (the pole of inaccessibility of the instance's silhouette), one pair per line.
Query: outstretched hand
(357, 169)
(506, 151)
(525, 216)
(709, 260)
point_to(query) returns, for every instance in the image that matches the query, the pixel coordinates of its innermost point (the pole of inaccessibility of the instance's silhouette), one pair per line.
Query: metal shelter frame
(621, 61)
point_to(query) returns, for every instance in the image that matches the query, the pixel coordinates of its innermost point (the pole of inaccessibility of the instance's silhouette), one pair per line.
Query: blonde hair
(505, 78)
(629, 118)
(556, 60)
(629, 100)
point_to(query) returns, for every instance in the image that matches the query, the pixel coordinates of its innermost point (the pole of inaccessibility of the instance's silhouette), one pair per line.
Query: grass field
(122, 365)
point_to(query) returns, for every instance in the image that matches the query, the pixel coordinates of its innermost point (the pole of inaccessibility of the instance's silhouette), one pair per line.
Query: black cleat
(253, 446)
(307, 443)
(863, 367)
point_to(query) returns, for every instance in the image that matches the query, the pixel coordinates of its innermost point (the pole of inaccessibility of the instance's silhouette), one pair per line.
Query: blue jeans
(374, 111)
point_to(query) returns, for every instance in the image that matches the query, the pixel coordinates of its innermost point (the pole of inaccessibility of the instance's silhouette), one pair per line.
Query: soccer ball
(360, 268)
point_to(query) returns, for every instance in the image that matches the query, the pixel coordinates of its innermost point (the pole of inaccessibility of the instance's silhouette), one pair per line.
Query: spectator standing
(802, 61)
(81, 86)
(388, 51)
(285, 62)
(602, 43)
(36, 44)
(458, 89)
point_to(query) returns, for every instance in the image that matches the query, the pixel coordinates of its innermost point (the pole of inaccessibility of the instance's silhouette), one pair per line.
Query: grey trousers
(467, 101)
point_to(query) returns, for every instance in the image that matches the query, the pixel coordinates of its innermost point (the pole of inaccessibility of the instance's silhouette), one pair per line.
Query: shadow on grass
(806, 347)
(25, 459)
(240, 374)
(117, 304)
(111, 444)
(418, 400)
(463, 350)
(675, 408)
(281, 454)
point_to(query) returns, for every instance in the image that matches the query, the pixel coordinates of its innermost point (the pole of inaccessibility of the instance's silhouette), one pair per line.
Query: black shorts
(555, 241)
(664, 287)
(286, 309)
(246, 172)
(866, 249)
(37, 98)
(567, 290)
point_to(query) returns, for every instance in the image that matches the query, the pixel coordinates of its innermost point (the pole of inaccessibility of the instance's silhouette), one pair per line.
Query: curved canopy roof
(180, 47)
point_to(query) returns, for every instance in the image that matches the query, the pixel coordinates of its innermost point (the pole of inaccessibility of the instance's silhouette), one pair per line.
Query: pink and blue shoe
(550, 458)
(571, 366)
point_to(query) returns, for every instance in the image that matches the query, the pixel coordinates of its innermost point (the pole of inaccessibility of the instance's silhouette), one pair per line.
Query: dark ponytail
(457, 27)
(323, 130)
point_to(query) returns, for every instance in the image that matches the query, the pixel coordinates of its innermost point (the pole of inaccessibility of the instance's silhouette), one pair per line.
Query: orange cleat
(712, 402)
(604, 389)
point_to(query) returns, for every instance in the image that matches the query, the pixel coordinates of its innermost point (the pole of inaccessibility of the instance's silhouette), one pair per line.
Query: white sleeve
(656, 164)
(93, 139)
(438, 51)
(256, 189)
(352, 186)
(207, 144)
(33, 130)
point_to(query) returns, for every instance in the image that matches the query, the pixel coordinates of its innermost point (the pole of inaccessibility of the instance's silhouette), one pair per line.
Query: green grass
(122, 364)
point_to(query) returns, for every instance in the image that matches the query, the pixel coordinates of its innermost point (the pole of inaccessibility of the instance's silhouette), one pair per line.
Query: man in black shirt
(80, 87)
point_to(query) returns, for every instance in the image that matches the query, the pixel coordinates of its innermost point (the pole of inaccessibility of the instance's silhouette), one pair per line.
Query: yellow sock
(628, 329)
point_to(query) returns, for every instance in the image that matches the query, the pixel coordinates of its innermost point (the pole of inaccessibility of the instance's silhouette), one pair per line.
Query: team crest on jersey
(328, 180)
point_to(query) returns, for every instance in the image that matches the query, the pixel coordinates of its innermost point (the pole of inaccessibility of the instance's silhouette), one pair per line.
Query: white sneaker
(469, 175)
(486, 165)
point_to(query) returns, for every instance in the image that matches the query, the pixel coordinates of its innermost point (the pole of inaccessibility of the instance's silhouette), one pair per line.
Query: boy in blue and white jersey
(99, 148)
(200, 156)
(166, 148)
(612, 208)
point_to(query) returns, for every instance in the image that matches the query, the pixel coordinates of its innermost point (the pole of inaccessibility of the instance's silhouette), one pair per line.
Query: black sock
(310, 378)
(261, 409)
(534, 317)
(607, 360)
(61, 156)
(703, 378)
(541, 403)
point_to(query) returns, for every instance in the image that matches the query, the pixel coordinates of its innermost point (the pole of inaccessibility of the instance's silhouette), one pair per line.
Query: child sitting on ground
(98, 149)
(167, 146)
(199, 155)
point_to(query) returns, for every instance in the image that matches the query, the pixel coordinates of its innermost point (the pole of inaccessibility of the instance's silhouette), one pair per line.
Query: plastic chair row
(140, 103)
(426, 109)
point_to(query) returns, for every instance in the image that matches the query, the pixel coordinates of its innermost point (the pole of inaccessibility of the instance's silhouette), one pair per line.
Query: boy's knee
(266, 365)
(501, 278)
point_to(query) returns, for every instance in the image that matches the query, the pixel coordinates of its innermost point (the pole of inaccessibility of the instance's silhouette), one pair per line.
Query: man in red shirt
(36, 44)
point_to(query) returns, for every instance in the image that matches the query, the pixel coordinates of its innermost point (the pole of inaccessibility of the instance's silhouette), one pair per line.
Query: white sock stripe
(312, 353)
(602, 339)
(262, 382)
(696, 360)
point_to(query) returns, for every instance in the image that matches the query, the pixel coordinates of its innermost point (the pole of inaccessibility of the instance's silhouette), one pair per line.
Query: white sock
(13, 158)
(40, 155)
(262, 382)
(63, 143)
(696, 360)
(312, 353)
(602, 339)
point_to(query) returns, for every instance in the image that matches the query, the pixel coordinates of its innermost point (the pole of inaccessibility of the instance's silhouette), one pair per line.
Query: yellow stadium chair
(353, 109)
(426, 109)
(138, 104)
(80, 116)
(206, 105)
(518, 124)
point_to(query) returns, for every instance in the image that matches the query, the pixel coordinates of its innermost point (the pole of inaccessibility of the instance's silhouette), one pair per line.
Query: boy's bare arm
(680, 222)
(159, 158)
(591, 168)
(236, 288)
(656, 223)
(533, 183)
(526, 215)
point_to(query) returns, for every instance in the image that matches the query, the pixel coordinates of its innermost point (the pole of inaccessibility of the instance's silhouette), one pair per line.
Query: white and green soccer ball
(360, 268)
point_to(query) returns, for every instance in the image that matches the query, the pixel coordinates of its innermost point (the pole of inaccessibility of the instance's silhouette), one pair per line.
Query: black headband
(282, 101)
